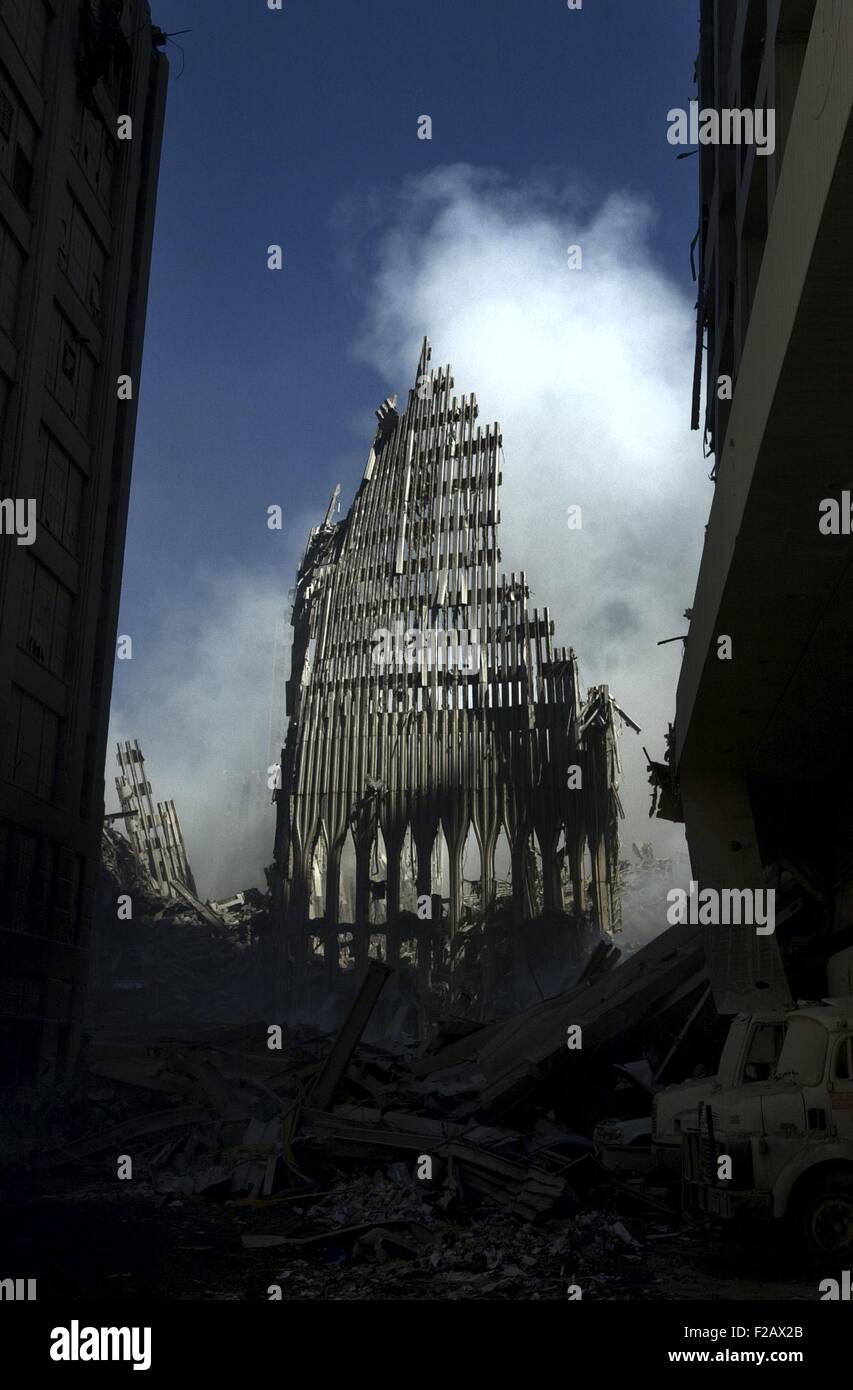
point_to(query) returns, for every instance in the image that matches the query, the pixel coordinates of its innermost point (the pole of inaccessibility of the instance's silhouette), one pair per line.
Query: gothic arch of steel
(414, 745)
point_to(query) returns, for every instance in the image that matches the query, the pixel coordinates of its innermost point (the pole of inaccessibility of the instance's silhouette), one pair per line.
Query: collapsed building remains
(154, 830)
(165, 961)
(160, 956)
(429, 713)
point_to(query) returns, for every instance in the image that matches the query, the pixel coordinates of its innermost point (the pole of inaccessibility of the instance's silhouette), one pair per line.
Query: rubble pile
(494, 1258)
(461, 1169)
(329, 1204)
(166, 961)
(242, 912)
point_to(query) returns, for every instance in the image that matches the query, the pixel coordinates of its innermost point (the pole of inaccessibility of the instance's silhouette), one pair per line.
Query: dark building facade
(77, 199)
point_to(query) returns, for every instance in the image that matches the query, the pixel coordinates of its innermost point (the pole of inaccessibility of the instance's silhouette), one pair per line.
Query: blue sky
(300, 128)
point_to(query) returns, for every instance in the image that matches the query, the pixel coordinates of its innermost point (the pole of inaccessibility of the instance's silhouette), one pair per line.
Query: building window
(59, 491)
(32, 745)
(24, 853)
(82, 255)
(69, 361)
(18, 139)
(96, 153)
(45, 617)
(22, 177)
(5, 388)
(11, 271)
(70, 374)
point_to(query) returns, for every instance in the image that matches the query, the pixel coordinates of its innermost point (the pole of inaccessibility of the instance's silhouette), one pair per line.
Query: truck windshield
(803, 1052)
(764, 1048)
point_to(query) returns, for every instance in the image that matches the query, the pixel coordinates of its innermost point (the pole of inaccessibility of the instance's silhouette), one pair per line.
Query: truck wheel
(826, 1215)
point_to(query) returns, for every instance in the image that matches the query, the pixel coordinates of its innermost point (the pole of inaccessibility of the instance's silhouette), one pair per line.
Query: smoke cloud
(589, 372)
(199, 703)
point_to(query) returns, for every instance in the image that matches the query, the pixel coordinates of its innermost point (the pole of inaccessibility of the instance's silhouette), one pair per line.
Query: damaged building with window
(448, 796)
(76, 231)
(753, 760)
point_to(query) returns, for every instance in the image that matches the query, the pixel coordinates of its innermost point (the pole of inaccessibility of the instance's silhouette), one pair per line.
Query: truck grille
(708, 1147)
(703, 1160)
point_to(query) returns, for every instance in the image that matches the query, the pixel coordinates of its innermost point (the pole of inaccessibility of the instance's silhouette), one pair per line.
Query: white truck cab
(749, 1055)
(783, 1147)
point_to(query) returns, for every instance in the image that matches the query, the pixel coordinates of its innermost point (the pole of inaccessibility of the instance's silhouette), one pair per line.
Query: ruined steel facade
(152, 828)
(425, 699)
